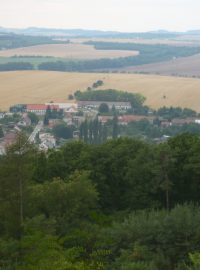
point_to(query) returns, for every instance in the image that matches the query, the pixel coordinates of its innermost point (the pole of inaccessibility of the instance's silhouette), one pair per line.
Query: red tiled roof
(36, 107)
(41, 107)
(10, 138)
(133, 118)
(126, 118)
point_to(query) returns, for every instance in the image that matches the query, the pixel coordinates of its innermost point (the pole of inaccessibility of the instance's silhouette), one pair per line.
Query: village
(50, 125)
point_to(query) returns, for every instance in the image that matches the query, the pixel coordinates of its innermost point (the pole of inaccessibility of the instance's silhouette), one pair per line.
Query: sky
(116, 15)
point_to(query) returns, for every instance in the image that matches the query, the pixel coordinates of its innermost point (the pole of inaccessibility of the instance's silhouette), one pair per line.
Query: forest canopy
(124, 204)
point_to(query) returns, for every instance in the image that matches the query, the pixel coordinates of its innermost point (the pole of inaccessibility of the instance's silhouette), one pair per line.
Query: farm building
(125, 119)
(96, 104)
(40, 109)
(64, 106)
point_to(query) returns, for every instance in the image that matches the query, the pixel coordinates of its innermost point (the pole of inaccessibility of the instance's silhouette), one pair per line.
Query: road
(37, 129)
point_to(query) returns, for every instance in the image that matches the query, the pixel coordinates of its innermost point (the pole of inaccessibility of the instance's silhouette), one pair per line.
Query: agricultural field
(174, 42)
(67, 51)
(185, 66)
(45, 86)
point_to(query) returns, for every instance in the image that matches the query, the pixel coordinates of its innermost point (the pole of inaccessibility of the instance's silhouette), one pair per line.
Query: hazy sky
(122, 15)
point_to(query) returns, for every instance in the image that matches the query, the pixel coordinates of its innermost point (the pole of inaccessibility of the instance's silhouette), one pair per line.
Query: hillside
(185, 66)
(42, 86)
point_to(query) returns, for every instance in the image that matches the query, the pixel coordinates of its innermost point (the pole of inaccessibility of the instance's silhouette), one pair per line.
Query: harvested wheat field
(44, 86)
(68, 51)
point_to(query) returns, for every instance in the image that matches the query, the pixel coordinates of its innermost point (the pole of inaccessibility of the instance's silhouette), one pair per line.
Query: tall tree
(16, 170)
(115, 132)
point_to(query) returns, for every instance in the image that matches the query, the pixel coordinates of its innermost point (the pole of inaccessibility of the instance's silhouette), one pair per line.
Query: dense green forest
(120, 205)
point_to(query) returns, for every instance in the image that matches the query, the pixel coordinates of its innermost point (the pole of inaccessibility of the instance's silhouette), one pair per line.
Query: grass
(44, 86)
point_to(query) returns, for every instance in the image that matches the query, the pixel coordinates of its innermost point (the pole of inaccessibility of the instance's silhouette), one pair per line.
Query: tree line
(11, 41)
(11, 66)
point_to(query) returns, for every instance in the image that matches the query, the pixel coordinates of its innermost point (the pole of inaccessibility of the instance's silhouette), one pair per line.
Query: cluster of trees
(34, 118)
(97, 84)
(87, 65)
(93, 132)
(17, 108)
(1, 132)
(145, 129)
(113, 95)
(149, 53)
(107, 207)
(8, 119)
(16, 66)
(52, 114)
(63, 131)
(176, 112)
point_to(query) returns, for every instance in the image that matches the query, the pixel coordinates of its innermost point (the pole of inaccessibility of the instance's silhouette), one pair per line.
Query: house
(165, 123)
(2, 115)
(25, 121)
(10, 138)
(104, 118)
(76, 134)
(77, 120)
(96, 104)
(54, 122)
(47, 141)
(126, 119)
(40, 109)
(181, 122)
(2, 149)
(68, 120)
(65, 106)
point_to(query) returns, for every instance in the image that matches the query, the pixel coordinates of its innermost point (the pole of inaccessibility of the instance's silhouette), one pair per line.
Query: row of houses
(95, 105)
(126, 119)
(40, 109)
(179, 122)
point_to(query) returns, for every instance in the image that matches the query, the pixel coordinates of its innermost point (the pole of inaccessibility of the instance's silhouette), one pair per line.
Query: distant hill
(87, 33)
